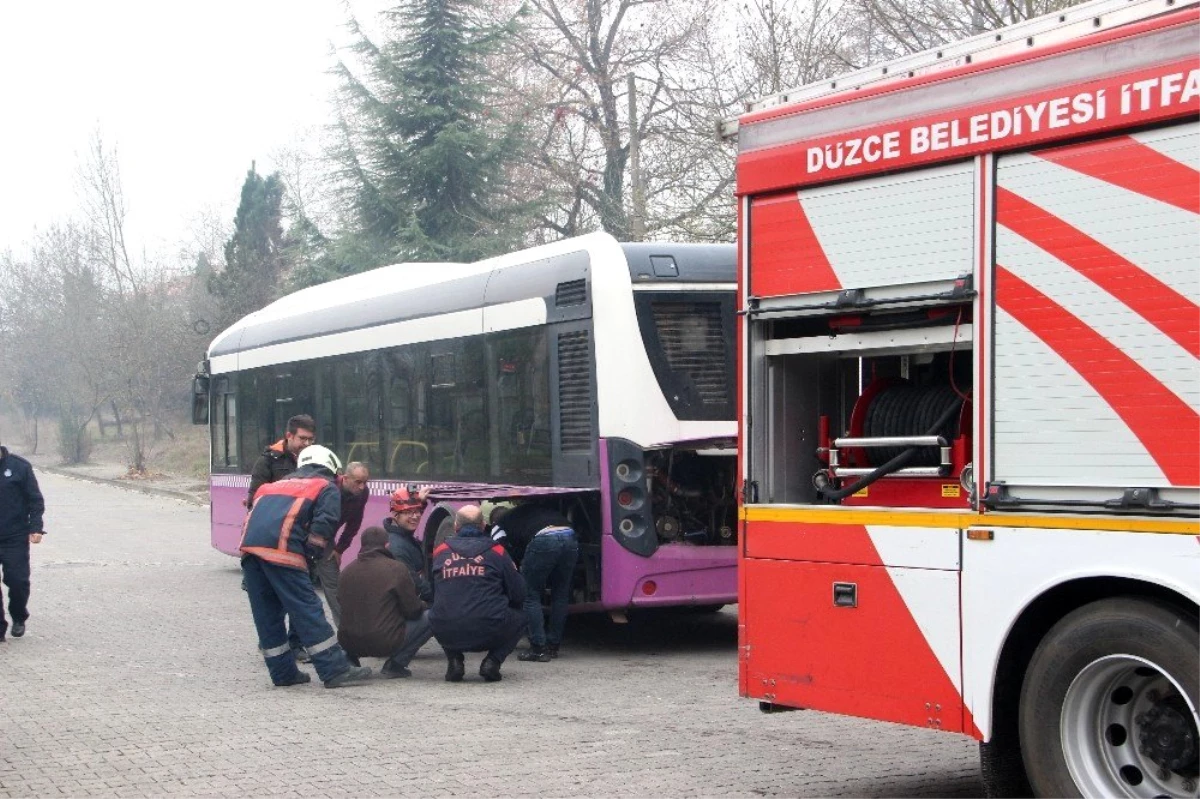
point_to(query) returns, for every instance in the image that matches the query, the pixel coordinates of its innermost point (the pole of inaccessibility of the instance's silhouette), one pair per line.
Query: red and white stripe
(1098, 332)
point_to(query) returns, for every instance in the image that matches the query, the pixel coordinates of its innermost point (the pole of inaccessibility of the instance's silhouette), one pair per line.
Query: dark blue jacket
(408, 551)
(293, 518)
(21, 503)
(477, 583)
(519, 526)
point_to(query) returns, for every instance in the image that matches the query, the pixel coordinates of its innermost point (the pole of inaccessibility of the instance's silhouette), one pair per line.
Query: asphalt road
(139, 676)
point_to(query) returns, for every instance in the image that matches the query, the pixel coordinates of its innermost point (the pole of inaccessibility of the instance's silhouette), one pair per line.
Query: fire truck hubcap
(1128, 730)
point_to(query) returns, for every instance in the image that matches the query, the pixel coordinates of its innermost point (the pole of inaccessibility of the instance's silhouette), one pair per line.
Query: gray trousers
(416, 633)
(328, 573)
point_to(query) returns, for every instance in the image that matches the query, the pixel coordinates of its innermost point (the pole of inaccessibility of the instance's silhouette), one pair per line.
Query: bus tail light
(629, 508)
(632, 527)
(629, 498)
(628, 471)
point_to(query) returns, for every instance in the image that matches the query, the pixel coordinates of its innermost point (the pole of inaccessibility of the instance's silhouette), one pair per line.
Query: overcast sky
(190, 93)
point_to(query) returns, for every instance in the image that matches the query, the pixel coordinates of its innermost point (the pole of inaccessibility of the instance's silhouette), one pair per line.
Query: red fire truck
(970, 450)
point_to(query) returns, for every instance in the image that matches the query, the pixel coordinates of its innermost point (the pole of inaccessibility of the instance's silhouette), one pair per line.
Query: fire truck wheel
(1108, 705)
(1002, 770)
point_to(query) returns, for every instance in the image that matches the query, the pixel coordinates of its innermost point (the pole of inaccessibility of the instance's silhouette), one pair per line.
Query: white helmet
(316, 455)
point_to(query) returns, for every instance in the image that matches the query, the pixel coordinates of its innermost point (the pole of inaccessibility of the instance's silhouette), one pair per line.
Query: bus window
(520, 388)
(408, 452)
(690, 348)
(358, 410)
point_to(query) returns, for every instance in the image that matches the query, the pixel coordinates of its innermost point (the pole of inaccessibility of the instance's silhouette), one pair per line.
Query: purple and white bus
(594, 375)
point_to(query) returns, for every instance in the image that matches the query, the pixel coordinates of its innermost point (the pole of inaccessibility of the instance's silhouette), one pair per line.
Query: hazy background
(189, 94)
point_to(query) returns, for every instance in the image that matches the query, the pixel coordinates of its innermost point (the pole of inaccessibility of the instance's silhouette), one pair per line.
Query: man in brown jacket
(381, 613)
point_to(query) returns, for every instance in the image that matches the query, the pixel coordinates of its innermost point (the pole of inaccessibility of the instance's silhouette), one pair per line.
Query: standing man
(406, 506)
(378, 596)
(290, 519)
(354, 493)
(21, 509)
(477, 604)
(279, 459)
(276, 462)
(546, 544)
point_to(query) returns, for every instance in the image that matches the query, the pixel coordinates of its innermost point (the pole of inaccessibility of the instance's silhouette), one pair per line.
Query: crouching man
(382, 616)
(290, 519)
(477, 598)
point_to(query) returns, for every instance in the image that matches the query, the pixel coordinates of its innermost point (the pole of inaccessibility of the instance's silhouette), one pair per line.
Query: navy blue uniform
(21, 509)
(478, 596)
(290, 519)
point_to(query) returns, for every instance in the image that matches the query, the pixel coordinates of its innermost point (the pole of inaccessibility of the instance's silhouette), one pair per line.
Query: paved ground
(139, 676)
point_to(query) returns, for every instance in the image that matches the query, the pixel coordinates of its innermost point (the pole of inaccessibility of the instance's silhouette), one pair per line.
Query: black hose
(898, 462)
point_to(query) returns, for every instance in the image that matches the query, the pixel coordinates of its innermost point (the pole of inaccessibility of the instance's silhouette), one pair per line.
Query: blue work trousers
(279, 591)
(549, 561)
(14, 565)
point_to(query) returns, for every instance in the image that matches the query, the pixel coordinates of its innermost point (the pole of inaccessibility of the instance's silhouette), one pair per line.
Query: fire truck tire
(1108, 704)
(1002, 770)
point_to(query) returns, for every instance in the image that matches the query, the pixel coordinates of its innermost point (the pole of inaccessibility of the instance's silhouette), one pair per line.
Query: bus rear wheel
(1108, 705)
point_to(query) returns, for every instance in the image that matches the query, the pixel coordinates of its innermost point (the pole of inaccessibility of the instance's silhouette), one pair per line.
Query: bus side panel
(676, 574)
(868, 657)
(227, 496)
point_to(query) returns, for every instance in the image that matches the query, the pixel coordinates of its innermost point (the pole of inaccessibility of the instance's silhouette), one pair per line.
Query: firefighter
(478, 600)
(290, 519)
(406, 505)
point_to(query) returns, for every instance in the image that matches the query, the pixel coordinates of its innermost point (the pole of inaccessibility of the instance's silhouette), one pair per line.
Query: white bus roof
(411, 291)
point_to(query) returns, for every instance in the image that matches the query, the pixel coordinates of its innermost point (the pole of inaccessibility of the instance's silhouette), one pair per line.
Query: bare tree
(577, 99)
(102, 201)
(885, 29)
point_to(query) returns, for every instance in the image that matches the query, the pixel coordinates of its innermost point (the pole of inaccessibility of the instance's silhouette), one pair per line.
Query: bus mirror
(200, 399)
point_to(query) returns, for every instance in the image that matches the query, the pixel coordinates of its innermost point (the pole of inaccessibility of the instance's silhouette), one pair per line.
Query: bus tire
(1108, 704)
(445, 529)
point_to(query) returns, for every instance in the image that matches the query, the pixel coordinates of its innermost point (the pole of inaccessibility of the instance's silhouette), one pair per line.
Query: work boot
(301, 655)
(300, 679)
(455, 668)
(553, 650)
(489, 670)
(349, 676)
(18, 629)
(390, 670)
(537, 654)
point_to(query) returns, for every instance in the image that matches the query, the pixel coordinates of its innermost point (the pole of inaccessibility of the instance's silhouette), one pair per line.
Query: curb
(127, 485)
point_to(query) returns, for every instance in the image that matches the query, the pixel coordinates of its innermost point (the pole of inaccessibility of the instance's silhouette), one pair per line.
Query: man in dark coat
(279, 459)
(406, 506)
(21, 509)
(354, 492)
(378, 597)
(291, 519)
(478, 598)
(544, 541)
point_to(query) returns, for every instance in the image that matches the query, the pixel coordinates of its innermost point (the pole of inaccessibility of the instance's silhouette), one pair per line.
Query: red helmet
(405, 498)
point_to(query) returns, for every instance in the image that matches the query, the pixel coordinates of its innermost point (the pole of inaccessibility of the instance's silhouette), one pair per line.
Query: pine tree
(424, 161)
(254, 259)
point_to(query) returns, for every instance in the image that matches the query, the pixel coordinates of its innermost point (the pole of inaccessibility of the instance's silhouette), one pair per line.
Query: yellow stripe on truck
(927, 518)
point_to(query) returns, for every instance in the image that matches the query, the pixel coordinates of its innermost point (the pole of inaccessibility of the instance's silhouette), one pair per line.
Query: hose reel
(900, 429)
